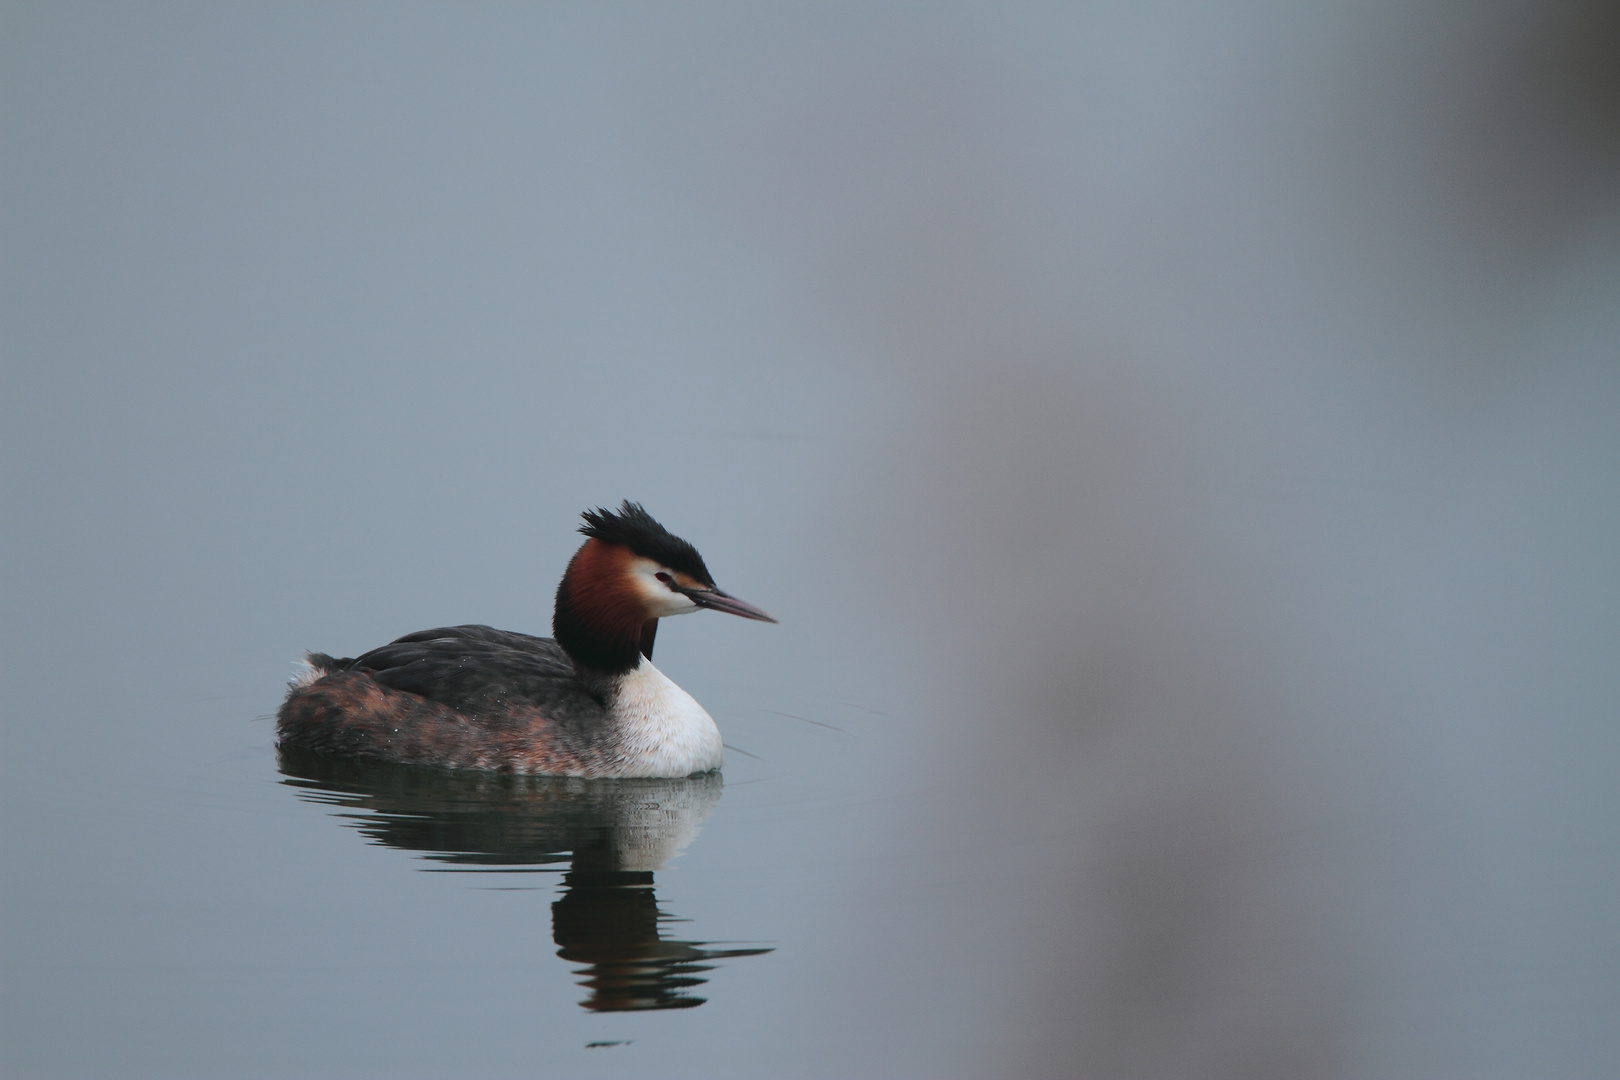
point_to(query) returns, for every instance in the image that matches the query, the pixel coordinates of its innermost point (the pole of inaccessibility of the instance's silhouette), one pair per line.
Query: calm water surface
(229, 908)
(1179, 442)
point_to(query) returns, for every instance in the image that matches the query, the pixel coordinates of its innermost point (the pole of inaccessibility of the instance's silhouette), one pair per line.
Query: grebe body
(588, 702)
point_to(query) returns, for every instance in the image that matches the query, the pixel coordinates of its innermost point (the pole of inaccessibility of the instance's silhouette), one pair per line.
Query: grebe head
(630, 573)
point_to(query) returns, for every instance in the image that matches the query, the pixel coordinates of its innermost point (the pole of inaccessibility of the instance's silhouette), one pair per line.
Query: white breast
(659, 730)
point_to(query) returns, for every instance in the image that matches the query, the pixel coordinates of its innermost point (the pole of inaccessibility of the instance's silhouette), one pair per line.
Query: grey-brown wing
(484, 673)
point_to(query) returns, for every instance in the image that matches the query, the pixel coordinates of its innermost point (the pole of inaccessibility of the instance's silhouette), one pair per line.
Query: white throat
(659, 730)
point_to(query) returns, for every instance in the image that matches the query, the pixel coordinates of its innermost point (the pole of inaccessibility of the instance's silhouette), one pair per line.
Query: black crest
(635, 529)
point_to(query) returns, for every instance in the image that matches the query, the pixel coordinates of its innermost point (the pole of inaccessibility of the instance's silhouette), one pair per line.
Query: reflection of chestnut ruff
(612, 833)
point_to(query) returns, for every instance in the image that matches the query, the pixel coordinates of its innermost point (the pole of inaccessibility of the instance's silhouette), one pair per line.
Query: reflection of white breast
(659, 730)
(657, 819)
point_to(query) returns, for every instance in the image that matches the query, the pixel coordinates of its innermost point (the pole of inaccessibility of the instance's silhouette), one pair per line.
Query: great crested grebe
(589, 703)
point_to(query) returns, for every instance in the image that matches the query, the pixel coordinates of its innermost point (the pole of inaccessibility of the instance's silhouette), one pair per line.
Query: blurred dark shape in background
(1525, 122)
(1241, 526)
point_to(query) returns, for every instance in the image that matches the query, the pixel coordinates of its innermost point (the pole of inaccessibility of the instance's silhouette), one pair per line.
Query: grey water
(1178, 441)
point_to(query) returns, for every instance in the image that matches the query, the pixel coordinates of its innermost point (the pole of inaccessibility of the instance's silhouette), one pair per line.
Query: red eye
(667, 579)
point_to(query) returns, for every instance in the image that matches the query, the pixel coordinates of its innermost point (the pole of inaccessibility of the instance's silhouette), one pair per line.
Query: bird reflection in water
(612, 834)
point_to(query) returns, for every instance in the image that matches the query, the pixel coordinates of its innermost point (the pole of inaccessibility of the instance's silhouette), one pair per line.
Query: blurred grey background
(1180, 442)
